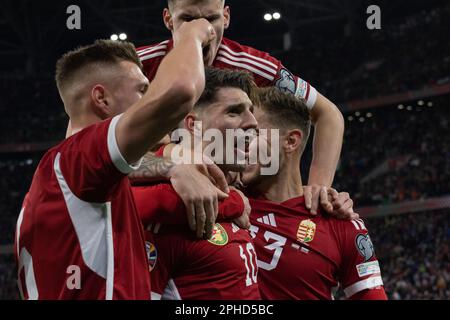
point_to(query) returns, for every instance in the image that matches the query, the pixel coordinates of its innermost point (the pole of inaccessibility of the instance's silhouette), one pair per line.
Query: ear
(227, 16)
(189, 122)
(167, 18)
(293, 140)
(99, 103)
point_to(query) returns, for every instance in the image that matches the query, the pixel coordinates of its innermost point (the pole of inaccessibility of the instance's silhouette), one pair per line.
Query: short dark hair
(284, 110)
(171, 3)
(101, 52)
(225, 78)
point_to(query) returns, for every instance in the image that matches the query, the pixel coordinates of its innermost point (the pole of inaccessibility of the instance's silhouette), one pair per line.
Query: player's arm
(370, 294)
(170, 209)
(359, 269)
(328, 134)
(177, 86)
(193, 183)
(327, 144)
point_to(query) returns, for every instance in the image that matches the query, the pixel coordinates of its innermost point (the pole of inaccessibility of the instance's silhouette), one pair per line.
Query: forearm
(153, 169)
(178, 84)
(327, 144)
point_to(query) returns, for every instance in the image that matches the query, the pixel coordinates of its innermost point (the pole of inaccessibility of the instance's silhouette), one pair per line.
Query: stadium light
(357, 113)
(401, 107)
(369, 115)
(277, 16)
(350, 118)
(268, 17)
(430, 104)
(420, 102)
(409, 108)
(114, 37)
(123, 36)
(362, 119)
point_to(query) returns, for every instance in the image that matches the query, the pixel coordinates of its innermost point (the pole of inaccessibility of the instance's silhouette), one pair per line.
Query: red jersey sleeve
(165, 253)
(161, 204)
(267, 70)
(359, 269)
(90, 162)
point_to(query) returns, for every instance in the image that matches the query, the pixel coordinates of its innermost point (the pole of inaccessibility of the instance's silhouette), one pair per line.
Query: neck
(286, 185)
(76, 124)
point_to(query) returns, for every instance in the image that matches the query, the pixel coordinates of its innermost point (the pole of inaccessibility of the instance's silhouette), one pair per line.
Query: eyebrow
(241, 106)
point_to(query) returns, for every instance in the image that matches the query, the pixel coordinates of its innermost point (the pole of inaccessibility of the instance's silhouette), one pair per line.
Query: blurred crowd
(397, 155)
(413, 250)
(404, 55)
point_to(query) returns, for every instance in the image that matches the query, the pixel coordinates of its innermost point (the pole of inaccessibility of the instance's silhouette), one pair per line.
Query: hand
(312, 195)
(339, 205)
(243, 221)
(199, 29)
(193, 183)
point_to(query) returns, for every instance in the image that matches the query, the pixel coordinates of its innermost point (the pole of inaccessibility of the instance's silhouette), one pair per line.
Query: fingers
(308, 196)
(210, 219)
(324, 201)
(190, 208)
(333, 193)
(220, 194)
(219, 177)
(340, 200)
(315, 201)
(200, 218)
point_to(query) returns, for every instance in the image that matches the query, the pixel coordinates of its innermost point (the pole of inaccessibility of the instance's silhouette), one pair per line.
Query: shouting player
(223, 267)
(302, 256)
(79, 235)
(267, 71)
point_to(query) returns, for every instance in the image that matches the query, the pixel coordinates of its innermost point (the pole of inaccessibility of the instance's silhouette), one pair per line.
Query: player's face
(252, 173)
(232, 109)
(129, 87)
(211, 10)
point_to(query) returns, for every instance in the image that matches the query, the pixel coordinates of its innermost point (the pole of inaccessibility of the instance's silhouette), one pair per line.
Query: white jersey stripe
(171, 292)
(267, 62)
(368, 283)
(355, 224)
(162, 45)
(110, 253)
(26, 262)
(149, 50)
(19, 224)
(247, 67)
(151, 56)
(244, 60)
(90, 224)
(156, 296)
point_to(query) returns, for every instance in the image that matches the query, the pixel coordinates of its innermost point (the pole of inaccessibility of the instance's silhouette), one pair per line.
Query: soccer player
(267, 71)
(302, 256)
(223, 267)
(78, 235)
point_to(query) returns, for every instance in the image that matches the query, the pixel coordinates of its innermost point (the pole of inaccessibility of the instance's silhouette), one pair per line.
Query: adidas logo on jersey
(268, 220)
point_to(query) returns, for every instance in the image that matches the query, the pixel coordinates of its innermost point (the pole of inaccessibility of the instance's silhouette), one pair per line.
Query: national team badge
(306, 231)
(152, 255)
(364, 246)
(219, 237)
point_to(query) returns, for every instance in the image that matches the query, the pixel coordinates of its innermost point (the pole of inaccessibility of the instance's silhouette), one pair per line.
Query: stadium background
(393, 86)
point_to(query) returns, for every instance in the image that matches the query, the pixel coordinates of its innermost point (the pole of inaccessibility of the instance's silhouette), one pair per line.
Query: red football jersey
(305, 257)
(186, 268)
(78, 235)
(266, 70)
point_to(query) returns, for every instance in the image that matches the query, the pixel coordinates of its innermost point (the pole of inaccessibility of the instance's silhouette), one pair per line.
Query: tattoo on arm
(152, 169)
